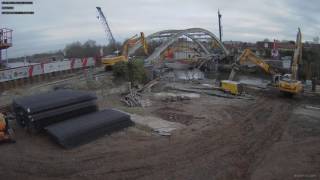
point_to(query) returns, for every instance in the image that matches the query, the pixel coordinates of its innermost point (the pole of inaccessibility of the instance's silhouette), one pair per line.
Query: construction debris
(133, 99)
(217, 93)
(172, 97)
(149, 85)
(157, 125)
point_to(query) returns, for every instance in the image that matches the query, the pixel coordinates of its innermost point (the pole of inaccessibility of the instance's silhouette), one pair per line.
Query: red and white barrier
(39, 69)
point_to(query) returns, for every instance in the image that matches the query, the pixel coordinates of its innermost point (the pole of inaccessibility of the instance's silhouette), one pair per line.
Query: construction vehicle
(231, 87)
(287, 83)
(6, 133)
(111, 60)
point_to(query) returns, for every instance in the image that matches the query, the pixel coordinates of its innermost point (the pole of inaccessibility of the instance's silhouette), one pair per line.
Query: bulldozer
(6, 133)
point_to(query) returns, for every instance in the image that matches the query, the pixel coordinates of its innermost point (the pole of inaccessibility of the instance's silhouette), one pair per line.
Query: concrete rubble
(157, 125)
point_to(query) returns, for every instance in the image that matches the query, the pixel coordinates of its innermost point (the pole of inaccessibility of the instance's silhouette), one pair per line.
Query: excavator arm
(297, 56)
(144, 43)
(248, 55)
(110, 61)
(128, 43)
(132, 41)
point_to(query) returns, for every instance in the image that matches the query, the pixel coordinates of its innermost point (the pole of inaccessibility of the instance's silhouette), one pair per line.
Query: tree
(74, 50)
(79, 50)
(132, 71)
(266, 40)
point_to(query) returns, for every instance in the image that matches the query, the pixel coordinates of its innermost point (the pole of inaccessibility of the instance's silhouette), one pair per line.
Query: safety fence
(13, 77)
(45, 68)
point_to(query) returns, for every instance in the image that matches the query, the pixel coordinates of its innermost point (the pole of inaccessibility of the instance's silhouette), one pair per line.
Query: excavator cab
(286, 85)
(276, 79)
(289, 86)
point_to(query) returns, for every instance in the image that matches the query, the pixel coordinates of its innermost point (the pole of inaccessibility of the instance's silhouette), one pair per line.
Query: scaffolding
(5, 41)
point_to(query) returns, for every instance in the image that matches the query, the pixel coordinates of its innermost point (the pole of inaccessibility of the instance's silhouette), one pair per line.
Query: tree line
(89, 49)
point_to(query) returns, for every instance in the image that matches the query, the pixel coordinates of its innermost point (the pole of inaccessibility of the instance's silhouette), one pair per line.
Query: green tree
(132, 71)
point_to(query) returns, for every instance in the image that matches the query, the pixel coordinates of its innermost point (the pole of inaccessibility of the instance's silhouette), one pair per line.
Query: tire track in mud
(262, 127)
(228, 152)
(230, 149)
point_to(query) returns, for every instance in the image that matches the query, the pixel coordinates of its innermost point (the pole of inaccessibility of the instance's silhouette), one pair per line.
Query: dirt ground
(271, 137)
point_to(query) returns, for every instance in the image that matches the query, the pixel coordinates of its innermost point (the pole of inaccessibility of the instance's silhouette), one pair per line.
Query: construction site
(173, 104)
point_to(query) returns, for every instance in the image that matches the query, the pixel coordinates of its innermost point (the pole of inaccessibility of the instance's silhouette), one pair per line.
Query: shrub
(120, 70)
(132, 71)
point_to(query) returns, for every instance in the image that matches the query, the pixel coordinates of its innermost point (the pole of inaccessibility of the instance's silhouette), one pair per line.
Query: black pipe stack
(38, 111)
(70, 117)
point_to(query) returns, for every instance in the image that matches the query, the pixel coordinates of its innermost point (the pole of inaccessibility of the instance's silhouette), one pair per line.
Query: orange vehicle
(6, 134)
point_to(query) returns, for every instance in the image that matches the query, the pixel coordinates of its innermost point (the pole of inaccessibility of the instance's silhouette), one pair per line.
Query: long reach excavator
(287, 83)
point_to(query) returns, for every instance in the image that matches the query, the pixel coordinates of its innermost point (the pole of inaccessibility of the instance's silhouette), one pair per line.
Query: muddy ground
(271, 137)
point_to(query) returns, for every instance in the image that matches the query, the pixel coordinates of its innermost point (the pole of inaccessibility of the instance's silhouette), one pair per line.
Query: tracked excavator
(109, 61)
(287, 83)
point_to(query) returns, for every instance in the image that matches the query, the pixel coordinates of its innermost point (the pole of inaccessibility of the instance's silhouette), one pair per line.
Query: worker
(6, 134)
(3, 122)
(3, 127)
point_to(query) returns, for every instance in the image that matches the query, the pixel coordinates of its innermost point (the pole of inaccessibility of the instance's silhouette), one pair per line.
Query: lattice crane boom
(103, 20)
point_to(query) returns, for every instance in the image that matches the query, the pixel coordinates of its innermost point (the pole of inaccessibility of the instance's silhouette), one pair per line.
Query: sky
(60, 22)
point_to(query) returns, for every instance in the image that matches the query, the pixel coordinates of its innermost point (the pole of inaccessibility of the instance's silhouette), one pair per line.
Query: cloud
(60, 22)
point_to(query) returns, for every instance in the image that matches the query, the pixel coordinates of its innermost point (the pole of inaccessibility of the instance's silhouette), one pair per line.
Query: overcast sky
(59, 22)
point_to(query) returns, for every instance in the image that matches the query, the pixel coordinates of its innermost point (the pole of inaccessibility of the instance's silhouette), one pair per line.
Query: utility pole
(220, 27)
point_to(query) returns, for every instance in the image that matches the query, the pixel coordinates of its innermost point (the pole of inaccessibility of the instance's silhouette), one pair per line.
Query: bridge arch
(173, 36)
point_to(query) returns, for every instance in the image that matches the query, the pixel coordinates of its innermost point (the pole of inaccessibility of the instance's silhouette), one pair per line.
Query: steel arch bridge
(197, 35)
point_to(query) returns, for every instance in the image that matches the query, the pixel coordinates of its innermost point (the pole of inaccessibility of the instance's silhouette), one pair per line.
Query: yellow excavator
(109, 61)
(288, 83)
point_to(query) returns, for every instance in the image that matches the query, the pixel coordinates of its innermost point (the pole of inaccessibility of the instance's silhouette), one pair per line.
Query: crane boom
(103, 19)
(297, 56)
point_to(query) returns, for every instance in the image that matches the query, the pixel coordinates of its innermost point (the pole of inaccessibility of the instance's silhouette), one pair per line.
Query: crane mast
(106, 27)
(297, 56)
